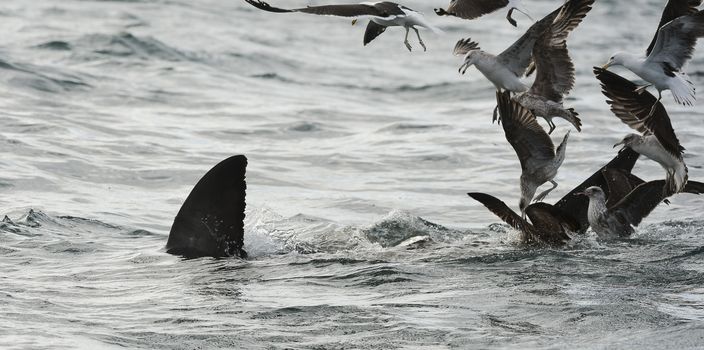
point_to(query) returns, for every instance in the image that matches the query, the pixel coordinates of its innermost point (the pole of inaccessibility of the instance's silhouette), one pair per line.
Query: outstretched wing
(633, 109)
(674, 9)
(501, 210)
(676, 40)
(526, 136)
(577, 205)
(640, 202)
(373, 31)
(555, 76)
(519, 55)
(382, 9)
(471, 9)
(465, 45)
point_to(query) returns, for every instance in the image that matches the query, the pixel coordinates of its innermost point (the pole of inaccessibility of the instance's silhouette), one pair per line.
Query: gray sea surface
(360, 232)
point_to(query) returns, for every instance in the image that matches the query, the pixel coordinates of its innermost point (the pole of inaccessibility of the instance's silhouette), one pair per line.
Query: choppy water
(358, 225)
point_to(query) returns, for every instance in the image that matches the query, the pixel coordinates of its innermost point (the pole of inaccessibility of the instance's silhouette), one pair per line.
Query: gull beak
(619, 144)
(580, 194)
(354, 21)
(606, 66)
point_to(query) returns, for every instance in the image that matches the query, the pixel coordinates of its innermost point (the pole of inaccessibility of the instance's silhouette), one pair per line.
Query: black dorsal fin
(211, 220)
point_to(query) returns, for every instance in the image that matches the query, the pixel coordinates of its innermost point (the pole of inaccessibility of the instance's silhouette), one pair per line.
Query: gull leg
(405, 41)
(544, 194)
(419, 39)
(551, 125)
(652, 109)
(639, 90)
(510, 19)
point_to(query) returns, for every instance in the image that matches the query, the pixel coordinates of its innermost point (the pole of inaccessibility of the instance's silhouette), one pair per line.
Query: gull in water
(680, 27)
(657, 140)
(381, 15)
(534, 148)
(619, 219)
(506, 69)
(555, 75)
(471, 9)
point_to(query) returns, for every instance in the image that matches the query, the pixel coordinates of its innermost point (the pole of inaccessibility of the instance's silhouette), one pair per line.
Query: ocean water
(360, 232)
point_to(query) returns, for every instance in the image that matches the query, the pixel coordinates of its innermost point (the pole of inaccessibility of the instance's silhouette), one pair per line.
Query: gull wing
(577, 205)
(500, 209)
(526, 136)
(382, 9)
(674, 9)
(555, 70)
(632, 108)
(675, 41)
(551, 223)
(640, 202)
(471, 9)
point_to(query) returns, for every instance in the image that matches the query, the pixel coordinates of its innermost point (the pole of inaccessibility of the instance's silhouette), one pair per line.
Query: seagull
(534, 148)
(673, 45)
(506, 69)
(381, 14)
(619, 219)
(555, 71)
(548, 224)
(657, 140)
(471, 9)
(553, 224)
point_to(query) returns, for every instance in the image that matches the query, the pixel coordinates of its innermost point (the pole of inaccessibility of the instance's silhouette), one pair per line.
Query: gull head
(616, 60)
(629, 141)
(593, 192)
(469, 60)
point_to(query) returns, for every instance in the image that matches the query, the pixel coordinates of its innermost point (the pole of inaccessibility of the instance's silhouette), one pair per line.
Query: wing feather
(471, 9)
(675, 41)
(674, 9)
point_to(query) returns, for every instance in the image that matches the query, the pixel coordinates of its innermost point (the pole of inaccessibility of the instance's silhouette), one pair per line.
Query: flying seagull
(673, 45)
(381, 15)
(555, 71)
(657, 140)
(534, 148)
(619, 219)
(471, 9)
(506, 69)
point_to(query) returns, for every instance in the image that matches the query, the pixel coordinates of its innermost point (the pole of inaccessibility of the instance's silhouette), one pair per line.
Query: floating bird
(555, 71)
(506, 69)
(534, 148)
(552, 224)
(673, 45)
(548, 224)
(381, 14)
(471, 9)
(658, 140)
(619, 219)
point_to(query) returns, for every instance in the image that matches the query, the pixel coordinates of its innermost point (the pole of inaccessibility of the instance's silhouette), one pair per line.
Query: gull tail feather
(683, 90)
(571, 117)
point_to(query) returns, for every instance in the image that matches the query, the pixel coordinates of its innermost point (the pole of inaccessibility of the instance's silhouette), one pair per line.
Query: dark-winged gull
(506, 69)
(554, 224)
(619, 219)
(471, 9)
(658, 140)
(548, 224)
(680, 27)
(534, 148)
(381, 15)
(554, 68)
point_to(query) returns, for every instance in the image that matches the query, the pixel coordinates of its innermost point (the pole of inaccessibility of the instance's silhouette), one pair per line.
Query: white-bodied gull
(471, 9)
(381, 15)
(506, 69)
(680, 27)
(657, 140)
(555, 74)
